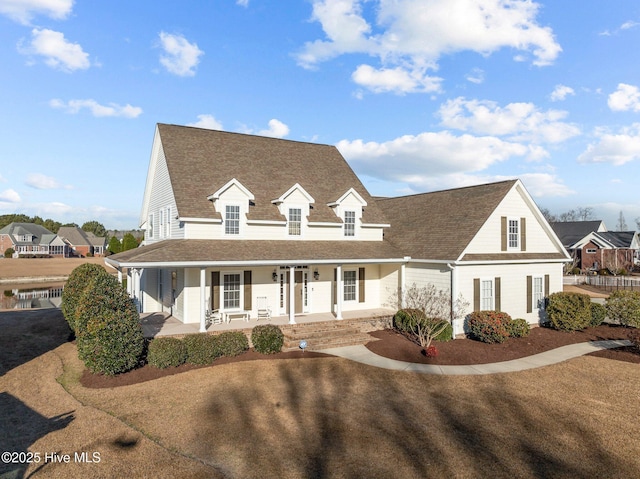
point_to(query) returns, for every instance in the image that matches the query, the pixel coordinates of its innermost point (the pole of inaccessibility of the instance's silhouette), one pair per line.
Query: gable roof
(41, 235)
(78, 237)
(440, 225)
(620, 239)
(570, 232)
(201, 161)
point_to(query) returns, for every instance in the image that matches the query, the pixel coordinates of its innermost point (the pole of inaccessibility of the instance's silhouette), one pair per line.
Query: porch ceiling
(198, 253)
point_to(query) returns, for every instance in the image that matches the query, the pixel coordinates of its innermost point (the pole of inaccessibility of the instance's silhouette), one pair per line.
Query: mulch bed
(394, 345)
(467, 351)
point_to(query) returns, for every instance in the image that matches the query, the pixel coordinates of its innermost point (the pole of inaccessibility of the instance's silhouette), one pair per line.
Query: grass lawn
(326, 417)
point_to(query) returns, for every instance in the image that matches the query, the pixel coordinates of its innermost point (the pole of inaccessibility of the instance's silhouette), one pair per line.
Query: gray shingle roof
(569, 232)
(201, 161)
(441, 224)
(619, 239)
(19, 229)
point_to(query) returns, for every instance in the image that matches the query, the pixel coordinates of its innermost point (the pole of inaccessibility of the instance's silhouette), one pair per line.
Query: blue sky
(418, 95)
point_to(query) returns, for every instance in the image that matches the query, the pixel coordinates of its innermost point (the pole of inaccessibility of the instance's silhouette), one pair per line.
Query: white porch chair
(213, 317)
(264, 311)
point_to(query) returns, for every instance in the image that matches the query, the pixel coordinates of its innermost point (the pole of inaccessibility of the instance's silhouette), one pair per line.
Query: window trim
(537, 304)
(291, 223)
(591, 250)
(516, 234)
(349, 225)
(227, 221)
(240, 306)
(150, 225)
(355, 286)
(492, 298)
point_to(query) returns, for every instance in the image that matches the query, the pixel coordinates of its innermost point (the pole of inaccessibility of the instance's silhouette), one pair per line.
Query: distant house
(237, 221)
(593, 248)
(82, 243)
(29, 239)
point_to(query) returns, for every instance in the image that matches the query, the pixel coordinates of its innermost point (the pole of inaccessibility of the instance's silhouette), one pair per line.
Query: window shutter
(476, 294)
(335, 286)
(503, 233)
(546, 285)
(247, 290)
(497, 294)
(529, 294)
(215, 290)
(523, 234)
(361, 285)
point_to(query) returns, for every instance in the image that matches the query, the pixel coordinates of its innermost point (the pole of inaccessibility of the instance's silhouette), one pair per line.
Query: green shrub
(623, 307)
(8, 253)
(166, 352)
(518, 328)
(446, 334)
(569, 311)
(202, 348)
(108, 331)
(233, 343)
(598, 313)
(74, 288)
(405, 319)
(267, 339)
(489, 326)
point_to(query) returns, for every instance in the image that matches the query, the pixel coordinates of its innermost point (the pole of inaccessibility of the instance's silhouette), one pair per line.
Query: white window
(349, 285)
(486, 295)
(538, 292)
(295, 221)
(349, 223)
(513, 234)
(231, 290)
(150, 226)
(161, 223)
(591, 250)
(232, 220)
(167, 223)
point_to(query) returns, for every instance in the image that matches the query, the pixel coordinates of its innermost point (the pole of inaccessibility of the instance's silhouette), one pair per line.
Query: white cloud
(242, 3)
(276, 129)
(629, 25)
(615, 148)
(56, 50)
(208, 122)
(43, 182)
(180, 57)
(476, 76)
(545, 185)
(411, 35)
(396, 80)
(113, 109)
(518, 121)
(561, 92)
(625, 98)
(10, 196)
(53, 209)
(22, 11)
(429, 159)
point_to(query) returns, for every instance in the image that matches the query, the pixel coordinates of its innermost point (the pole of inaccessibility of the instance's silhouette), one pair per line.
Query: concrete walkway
(362, 355)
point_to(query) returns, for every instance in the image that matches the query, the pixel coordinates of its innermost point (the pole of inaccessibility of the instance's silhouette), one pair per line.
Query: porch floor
(163, 324)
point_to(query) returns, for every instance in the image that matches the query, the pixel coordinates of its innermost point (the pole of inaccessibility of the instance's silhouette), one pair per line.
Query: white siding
(161, 197)
(424, 274)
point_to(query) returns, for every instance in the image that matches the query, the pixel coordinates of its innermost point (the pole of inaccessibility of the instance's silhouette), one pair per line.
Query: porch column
(120, 276)
(339, 292)
(403, 285)
(135, 288)
(454, 298)
(292, 292)
(203, 306)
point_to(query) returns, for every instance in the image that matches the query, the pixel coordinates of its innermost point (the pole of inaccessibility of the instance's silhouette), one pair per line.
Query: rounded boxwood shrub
(202, 348)
(446, 334)
(78, 281)
(598, 313)
(108, 331)
(623, 307)
(518, 328)
(233, 343)
(267, 339)
(406, 319)
(8, 253)
(165, 352)
(489, 326)
(569, 311)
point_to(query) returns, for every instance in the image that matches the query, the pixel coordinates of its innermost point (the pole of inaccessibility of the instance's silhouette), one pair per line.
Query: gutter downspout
(454, 296)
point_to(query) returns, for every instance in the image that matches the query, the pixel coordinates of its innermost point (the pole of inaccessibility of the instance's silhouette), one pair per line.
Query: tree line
(584, 214)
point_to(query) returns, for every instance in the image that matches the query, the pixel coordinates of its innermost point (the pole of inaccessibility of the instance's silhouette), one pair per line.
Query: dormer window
(349, 223)
(295, 221)
(232, 220)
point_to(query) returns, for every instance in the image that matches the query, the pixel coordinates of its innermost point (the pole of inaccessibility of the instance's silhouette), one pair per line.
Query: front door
(299, 292)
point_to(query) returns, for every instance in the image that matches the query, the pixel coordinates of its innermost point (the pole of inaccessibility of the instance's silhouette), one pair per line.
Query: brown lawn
(11, 268)
(320, 417)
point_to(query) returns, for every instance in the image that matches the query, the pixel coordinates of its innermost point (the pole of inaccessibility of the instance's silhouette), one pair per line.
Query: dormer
(232, 203)
(294, 204)
(349, 207)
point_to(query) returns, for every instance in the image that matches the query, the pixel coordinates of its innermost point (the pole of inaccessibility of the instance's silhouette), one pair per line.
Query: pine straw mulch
(391, 344)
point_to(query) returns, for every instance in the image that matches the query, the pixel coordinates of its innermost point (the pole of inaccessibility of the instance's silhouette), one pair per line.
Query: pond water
(31, 295)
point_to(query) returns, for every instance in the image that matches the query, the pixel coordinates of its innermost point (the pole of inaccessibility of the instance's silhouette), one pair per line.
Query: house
(235, 221)
(29, 239)
(593, 248)
(82, 243)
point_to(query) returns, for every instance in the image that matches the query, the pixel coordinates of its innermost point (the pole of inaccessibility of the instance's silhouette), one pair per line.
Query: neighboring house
(28, 239)
(82, 243)
(592, 247)
(234, 220)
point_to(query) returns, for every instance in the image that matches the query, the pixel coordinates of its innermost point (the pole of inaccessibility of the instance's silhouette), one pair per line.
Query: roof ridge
(482, 185)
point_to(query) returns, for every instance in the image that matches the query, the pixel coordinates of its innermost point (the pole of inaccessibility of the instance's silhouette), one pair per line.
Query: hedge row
(496, 327)
(202, 349)
(575, 311)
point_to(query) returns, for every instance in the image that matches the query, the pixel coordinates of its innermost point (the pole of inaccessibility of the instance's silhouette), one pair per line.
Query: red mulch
(468, 351)
(394, 345)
